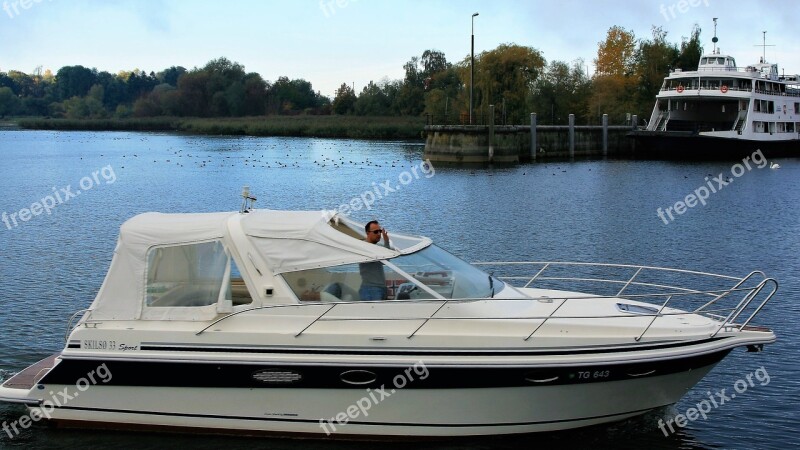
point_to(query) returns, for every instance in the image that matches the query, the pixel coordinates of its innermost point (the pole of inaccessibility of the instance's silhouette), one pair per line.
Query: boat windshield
(438, 270)
(449, 276)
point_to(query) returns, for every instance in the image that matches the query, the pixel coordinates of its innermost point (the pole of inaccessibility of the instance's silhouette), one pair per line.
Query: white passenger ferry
(723, 110)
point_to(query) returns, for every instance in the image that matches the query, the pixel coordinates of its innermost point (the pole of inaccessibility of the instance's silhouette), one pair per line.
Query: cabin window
(186, 275)
(797, 108)
(790, 127)
(237, 291)
(343, 283)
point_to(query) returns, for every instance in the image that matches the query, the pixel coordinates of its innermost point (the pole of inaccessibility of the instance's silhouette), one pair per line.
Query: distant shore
(352, 127)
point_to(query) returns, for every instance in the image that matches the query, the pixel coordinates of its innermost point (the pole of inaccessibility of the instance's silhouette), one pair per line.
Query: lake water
(599, 211)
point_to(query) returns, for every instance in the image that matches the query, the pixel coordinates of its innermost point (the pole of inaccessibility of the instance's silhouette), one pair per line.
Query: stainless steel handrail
(69, 323)
(726, 316)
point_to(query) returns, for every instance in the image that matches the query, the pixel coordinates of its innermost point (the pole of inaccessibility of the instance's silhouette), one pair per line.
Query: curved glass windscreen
(438, 270)
(449, 276)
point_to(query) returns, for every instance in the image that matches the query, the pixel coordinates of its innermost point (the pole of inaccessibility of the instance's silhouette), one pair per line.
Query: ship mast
(714, 39)
(764, 47)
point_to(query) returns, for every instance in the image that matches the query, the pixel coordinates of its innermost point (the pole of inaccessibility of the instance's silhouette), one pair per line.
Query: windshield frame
(494, 285)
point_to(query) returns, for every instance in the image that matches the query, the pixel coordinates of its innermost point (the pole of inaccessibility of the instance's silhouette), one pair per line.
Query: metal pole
(605, 135)
(472, 67)
(533, 136)
(572, 136)
(491, 133)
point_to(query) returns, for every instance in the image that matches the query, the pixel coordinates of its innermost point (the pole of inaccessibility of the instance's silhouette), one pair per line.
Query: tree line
(516, 79)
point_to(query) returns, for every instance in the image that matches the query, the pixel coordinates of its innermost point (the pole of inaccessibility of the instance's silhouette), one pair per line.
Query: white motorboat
(251, 322)
(722, 110)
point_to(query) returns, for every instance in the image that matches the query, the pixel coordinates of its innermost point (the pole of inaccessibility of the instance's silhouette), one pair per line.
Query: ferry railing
(744, 292)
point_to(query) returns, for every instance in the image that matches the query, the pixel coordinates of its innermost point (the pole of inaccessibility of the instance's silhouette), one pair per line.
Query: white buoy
(772, 165)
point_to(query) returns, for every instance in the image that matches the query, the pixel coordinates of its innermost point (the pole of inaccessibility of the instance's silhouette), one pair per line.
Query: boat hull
(692, 146)
(402, 401)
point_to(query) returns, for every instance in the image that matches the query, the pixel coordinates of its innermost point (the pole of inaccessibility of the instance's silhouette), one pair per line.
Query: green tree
(171, 75)
(654, 59)
(74, 81)
(561, 90)
(373, 101)
(691, 51)
(507, 75)
(9, 103)
(345, 100)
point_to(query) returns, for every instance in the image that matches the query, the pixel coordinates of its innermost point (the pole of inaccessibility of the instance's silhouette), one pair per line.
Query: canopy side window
(343, 283)
(186, 275)
(237, 291)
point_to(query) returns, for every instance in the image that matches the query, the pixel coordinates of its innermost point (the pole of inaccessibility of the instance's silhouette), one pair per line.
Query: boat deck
(28, 377)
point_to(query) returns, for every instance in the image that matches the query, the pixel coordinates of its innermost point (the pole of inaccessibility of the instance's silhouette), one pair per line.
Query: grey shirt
(372, 272)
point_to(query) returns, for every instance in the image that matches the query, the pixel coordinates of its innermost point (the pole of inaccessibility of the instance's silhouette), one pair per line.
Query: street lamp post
(472, 67)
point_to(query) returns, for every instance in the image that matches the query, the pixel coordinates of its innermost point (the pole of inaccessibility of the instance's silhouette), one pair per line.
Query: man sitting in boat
(373, 280)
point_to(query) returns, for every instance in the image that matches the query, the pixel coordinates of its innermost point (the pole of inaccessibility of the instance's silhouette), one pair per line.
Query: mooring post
(605, 135)
(533, 137)
(634, 121)
(572, 136)
(491, 133)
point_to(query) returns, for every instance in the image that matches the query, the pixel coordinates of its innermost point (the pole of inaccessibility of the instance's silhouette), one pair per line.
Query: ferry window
(797, 108)
(790, 127)
(185, 275)
(704, 61)
(771, 107)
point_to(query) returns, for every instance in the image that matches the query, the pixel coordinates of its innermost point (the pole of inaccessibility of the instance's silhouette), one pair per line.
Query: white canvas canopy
(284, 240)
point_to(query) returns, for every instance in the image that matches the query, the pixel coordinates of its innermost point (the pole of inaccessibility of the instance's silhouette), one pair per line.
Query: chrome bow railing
(732, 302)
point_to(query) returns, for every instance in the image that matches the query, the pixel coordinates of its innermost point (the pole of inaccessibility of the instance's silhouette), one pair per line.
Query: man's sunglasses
(376, 231)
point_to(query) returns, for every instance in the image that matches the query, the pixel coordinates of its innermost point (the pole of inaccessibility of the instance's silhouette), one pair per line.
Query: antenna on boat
(715, 39)
(248, 201)
(764, 46)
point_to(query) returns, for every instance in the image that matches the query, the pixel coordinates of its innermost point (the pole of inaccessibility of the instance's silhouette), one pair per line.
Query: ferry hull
(692, 146)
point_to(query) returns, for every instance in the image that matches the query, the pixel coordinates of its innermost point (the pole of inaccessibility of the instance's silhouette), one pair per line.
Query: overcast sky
(329, 42)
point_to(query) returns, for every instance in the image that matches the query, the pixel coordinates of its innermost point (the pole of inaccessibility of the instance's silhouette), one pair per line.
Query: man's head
(373, 230)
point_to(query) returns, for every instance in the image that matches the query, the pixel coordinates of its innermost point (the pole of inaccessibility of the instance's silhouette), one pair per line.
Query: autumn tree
(614, 83)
